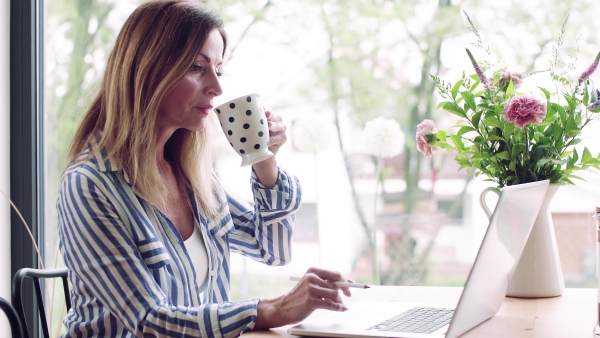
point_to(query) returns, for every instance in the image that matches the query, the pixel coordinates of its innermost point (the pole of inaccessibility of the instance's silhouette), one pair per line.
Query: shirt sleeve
(264, 231)
(111, 270)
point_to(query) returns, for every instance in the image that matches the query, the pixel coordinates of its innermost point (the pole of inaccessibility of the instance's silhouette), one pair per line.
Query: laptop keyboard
(417, 320)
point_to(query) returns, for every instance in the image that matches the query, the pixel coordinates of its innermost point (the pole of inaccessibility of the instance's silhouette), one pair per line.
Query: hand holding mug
(277, 135)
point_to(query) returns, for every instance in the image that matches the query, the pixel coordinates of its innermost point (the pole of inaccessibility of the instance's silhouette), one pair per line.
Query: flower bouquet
(513, 137)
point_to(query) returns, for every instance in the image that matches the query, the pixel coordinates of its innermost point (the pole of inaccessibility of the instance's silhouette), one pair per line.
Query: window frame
(26, 137)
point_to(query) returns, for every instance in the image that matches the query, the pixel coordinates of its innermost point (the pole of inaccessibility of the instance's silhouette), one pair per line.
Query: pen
(346, 284)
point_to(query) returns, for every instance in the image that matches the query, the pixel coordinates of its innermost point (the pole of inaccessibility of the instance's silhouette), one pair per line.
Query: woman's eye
(218, 71)
(196, 68)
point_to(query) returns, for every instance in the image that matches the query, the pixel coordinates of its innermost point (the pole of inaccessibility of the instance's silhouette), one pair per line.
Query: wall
(4, 159)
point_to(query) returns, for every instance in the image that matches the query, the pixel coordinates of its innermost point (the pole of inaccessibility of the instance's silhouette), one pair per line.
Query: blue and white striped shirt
(130, 273)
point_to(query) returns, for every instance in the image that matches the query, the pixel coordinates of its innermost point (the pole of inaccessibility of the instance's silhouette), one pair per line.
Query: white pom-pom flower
(311, 135)
(383, 137)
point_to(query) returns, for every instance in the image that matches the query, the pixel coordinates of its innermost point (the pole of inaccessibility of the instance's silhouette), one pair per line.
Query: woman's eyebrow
(207, 59)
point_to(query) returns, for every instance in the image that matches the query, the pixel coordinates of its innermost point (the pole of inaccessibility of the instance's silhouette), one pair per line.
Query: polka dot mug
(245, 125)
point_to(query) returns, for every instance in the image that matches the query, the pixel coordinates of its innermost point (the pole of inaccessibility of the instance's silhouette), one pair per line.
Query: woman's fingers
(277, 129)
(315, 290)
(326, 279)
(328, 304)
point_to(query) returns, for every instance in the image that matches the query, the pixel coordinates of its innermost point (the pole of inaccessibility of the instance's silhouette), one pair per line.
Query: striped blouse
(130, 273)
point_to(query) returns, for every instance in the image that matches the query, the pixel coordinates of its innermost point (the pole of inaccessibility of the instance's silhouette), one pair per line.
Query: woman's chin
(196, 126)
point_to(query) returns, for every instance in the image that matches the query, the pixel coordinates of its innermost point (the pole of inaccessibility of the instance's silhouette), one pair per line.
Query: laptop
(482, 295)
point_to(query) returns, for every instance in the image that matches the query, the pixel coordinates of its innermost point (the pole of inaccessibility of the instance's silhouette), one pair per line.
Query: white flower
(383, 137)
(311, 134)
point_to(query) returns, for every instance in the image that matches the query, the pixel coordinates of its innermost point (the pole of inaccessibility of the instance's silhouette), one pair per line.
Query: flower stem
(376, 274)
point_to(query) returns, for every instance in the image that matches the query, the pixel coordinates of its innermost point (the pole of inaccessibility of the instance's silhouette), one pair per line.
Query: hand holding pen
(315, 290)
(342, 284)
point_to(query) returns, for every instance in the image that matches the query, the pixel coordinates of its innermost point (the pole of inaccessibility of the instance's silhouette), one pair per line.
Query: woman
(145, 226)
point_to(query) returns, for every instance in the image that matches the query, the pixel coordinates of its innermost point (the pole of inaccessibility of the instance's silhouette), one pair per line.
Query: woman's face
(189, 102)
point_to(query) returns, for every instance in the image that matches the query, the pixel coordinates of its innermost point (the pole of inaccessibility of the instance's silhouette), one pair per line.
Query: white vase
(538, 273)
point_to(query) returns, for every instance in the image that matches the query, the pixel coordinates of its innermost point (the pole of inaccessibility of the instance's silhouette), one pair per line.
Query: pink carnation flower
(505, 78)
(426, 133)
(524, 110)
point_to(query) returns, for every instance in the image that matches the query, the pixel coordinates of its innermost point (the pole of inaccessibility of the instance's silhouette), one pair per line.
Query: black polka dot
(246, 125)
(260, 134)
(257, 146)
(243, 140)
(218, 111)
(230, 132)
(231, 144)
(231, 119)
(232, 105)
(249, 98)
(261, 121)
(248, 112)
(242, 151)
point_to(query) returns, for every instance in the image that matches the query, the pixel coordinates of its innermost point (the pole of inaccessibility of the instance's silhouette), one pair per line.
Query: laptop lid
(500, 250)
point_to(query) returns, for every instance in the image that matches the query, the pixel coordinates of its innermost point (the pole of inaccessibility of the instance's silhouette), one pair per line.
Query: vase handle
(482, 202)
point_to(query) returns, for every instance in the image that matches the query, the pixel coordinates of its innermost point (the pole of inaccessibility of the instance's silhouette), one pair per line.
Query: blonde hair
(155, 48)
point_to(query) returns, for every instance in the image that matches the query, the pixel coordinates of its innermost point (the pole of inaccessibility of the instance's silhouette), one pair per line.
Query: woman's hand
(266, 171)
(277, 136)
(315, 290)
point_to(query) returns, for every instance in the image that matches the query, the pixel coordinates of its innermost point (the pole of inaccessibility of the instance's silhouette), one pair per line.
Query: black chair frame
(13, 318)
(36, 275)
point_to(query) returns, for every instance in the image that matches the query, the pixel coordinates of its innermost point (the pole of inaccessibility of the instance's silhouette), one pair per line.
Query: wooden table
(574, 314)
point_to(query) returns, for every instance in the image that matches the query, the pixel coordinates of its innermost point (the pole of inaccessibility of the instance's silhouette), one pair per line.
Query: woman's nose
(214, 87)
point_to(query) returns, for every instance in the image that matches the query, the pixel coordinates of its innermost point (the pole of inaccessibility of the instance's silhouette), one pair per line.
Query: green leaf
(465, 129)
(546, 93)
(587, 155)
(494, 138)
(441, 135)
(502, 155)
(457, 142)
(476, 118)
(493, 122)
(572, 103)
(510, 89)
(443, 145)
(509, 128)
(578, 177)
(469, 99)
(454, 109)
(475, 84)
(532, 174)
(456, 88)
(563, 114)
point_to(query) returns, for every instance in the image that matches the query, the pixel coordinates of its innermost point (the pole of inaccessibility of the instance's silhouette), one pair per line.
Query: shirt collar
(105, 163)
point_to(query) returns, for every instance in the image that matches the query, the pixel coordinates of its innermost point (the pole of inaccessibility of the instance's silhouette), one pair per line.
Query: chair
(13, 318)
(36, 275)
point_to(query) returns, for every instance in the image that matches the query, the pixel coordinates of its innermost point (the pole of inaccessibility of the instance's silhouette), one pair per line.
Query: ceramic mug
(245, 125)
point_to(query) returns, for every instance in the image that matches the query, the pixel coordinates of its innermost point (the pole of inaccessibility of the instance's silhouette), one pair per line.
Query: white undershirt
(197, 251)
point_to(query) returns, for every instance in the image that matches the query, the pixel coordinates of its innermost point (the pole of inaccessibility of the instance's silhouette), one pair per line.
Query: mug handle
(482, 202)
